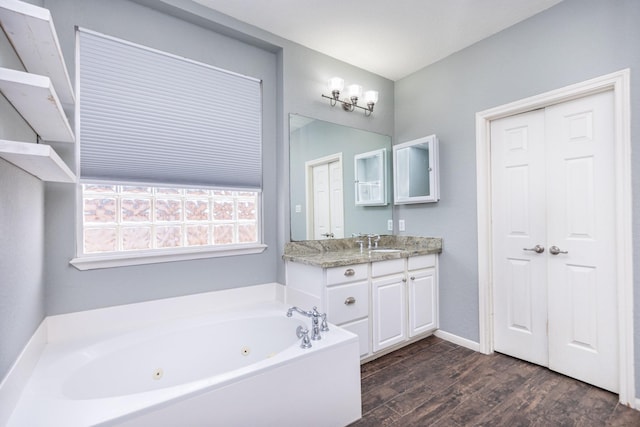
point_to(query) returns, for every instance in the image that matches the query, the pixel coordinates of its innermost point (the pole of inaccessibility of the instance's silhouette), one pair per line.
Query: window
(165, 167)
(133, 218)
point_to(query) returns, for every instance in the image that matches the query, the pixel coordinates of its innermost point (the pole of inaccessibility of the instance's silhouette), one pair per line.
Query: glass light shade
(336, 83)
(354, 91)
(371, 96)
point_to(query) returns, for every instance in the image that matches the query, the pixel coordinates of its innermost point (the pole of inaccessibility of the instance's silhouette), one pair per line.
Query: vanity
(386, 294)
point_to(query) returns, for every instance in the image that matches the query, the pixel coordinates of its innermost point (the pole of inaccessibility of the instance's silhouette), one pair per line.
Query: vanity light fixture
(354, 92)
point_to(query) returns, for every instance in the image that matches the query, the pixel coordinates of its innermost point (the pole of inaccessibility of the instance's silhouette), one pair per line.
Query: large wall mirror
(323, 182)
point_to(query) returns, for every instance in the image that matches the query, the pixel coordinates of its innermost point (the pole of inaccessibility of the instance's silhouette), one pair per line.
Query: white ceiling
(390, 38)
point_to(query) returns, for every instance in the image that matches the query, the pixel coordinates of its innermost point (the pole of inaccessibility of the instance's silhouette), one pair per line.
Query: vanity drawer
(383, 268)
(347, 302)
(346, 274)
(422, 261)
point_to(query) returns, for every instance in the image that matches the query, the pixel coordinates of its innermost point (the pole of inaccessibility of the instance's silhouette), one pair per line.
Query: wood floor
(436, 383)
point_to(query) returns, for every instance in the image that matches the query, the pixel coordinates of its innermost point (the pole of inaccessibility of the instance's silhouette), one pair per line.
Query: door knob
(537, 249)
(554, 250)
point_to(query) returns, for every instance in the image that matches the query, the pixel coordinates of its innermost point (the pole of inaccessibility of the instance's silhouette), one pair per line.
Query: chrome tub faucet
(316, 324)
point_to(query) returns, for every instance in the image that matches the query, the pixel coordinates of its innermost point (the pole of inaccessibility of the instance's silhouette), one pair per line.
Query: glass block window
(123, 218)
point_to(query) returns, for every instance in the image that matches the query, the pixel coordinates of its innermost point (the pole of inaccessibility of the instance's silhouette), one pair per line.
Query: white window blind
(152, 117)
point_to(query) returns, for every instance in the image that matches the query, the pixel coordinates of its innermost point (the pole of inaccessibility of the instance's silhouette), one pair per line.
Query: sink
(385, 251)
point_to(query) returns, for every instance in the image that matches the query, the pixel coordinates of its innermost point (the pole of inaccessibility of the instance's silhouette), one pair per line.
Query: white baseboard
(472, 345)
(15, 381)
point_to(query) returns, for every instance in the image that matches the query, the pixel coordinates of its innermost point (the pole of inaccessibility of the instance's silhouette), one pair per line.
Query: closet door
(519, 228)
(554, 284)
(583, 337)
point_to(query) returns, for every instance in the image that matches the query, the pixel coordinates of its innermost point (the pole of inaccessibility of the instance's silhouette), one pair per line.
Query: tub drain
(157, 374)
(245, 351)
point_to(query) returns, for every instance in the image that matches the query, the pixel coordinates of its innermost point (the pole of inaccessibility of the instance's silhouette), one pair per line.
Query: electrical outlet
(401, 225)
(390, 225)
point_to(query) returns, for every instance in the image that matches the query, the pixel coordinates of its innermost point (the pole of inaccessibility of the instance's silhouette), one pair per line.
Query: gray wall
(21, 235)
(71, 290)
(206, 36)
(36, 280)
(569, 43)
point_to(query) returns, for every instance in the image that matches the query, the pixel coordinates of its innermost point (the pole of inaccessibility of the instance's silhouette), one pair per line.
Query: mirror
(415, 168)
(322, 159)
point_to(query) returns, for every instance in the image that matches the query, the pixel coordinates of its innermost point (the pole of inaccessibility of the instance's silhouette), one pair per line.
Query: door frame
(308, 185)
(619, 83)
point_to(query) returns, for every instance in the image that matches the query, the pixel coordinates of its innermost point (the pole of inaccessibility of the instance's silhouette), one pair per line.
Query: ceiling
(389, 38)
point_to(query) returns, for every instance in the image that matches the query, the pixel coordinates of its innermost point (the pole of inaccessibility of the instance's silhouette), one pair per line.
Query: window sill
(92, 262)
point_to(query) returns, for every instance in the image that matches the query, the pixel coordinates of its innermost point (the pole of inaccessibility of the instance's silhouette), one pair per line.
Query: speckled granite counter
(341, 252)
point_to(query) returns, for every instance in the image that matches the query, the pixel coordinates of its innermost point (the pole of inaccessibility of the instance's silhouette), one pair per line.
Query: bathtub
(240, 368)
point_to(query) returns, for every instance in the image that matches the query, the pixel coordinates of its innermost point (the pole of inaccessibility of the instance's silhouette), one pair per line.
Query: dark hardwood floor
(435, 383)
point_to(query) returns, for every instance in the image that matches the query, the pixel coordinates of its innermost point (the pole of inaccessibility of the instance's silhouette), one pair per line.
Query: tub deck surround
(342, 252)
(218, 365)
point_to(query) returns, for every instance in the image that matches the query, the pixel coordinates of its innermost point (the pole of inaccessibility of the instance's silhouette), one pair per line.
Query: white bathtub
(244, 368)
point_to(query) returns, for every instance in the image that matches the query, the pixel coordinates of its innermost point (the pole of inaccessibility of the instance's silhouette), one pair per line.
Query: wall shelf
(39, 160)
(34, 97)
(33, 36)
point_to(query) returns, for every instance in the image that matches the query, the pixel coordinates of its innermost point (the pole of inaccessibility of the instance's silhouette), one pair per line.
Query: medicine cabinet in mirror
(415, 169)
(370, 172)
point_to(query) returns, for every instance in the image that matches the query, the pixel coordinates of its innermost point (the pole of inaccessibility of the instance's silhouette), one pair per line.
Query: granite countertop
(341, 252)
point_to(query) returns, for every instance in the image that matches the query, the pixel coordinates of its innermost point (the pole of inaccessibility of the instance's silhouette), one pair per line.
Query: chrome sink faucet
(376, 239)
(316, 325)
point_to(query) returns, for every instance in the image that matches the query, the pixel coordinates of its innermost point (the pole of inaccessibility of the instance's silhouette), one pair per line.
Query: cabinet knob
(404, 279)
(349, 272)
(413, 277)
(349, 301)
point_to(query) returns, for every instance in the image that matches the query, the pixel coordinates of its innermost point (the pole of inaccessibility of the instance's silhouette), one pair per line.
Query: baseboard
(472, 345)
(15, 381)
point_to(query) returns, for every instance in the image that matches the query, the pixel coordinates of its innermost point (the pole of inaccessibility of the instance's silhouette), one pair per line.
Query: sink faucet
(316, 325)
(376, 239)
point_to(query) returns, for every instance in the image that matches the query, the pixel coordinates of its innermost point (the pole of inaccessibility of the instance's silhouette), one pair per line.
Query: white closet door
(337, 204)
(518, 184)
(583, 338)
(321, 202)
(553, 188)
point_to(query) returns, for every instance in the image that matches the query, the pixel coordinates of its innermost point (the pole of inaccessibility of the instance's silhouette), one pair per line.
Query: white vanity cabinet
(389, 308)
(347, 301)
(422, 296)
(386, 303)
(341, 292)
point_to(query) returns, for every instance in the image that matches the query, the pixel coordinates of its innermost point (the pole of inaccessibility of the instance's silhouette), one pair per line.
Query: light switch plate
(390, 225)
(401, 225)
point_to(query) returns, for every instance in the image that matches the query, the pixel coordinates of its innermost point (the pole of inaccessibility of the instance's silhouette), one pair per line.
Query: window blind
(152, 117)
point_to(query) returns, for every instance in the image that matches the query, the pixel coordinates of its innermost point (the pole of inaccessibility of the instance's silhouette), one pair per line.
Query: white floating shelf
(37, 159)
(32, 34)
(36, 100)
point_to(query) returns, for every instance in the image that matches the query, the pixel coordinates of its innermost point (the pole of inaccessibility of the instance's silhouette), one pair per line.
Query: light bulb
(371, 96)
(355, 91)
(336, 83)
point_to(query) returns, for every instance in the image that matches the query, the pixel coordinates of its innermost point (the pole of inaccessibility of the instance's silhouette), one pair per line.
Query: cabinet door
(389, 311)
(423, 313)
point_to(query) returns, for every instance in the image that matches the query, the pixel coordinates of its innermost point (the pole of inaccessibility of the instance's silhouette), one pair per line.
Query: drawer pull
(349, 272)
(349, 301)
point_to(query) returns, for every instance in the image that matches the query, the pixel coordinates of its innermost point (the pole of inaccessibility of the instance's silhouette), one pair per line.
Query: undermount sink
(385, 251)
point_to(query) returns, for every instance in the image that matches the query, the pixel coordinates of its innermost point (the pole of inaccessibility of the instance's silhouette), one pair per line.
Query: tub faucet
(315, 316)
